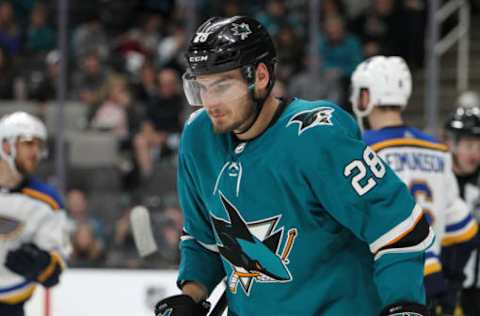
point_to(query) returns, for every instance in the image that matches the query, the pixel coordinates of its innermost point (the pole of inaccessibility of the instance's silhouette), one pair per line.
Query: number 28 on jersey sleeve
(361, 181)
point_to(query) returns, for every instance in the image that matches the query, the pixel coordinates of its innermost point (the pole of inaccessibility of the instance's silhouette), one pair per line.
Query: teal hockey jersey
(304, 219)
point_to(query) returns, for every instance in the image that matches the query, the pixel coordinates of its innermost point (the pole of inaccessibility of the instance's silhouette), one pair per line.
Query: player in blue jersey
(282, 198)
(381, 87)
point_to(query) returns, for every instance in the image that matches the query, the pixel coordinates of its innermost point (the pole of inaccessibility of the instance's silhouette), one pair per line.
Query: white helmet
(19, 125)
(388, 81)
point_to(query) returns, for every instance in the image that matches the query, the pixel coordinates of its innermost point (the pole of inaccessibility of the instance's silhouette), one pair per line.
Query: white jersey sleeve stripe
(211, 247)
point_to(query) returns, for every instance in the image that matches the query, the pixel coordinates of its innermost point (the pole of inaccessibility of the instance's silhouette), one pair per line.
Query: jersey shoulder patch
(44, 193)
(327, 116)
(307, 119)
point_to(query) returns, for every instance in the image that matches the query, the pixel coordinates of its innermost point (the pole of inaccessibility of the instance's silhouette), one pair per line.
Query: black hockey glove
(405, 309)
(28, 261)
(181, 305)
(442, 306)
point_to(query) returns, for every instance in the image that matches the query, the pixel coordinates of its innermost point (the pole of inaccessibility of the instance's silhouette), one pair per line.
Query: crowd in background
(125, 65)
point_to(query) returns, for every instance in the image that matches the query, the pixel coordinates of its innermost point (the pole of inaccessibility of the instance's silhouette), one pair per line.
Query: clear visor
(213, 89)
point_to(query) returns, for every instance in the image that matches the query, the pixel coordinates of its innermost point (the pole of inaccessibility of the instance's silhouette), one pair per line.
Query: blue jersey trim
(46, 189)
(14, 287)
(375, 136)
(459, 225)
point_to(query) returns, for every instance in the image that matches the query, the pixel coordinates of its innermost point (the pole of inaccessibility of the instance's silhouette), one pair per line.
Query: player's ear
(262, 76)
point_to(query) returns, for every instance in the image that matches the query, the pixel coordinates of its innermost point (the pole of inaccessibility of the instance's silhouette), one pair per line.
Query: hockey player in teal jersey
(381, 87)
(282, 198)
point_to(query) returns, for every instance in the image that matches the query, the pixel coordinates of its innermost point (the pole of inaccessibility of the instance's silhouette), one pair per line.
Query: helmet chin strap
(257, 102)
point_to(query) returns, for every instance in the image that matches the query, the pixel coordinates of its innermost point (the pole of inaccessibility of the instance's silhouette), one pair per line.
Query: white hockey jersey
(33, 213)
(426, 167)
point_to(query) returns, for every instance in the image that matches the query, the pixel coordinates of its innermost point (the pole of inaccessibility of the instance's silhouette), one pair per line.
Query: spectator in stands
(332, 8)
(41, 38)
(290, 50)
(170, 237)
(7, 75)
(159, 132)
(231, 8)
(89, 78)
(143, 39)
(90, 37)
(169, 48)
(147, 84)
(79, 213)
(379, 28)
(112, 114)
(23, 10)
(46, 88)
(412, 42)
(276, 15)
(88, 250)
(316, 84)
(339, 50)
(10, 34)
(174, 214)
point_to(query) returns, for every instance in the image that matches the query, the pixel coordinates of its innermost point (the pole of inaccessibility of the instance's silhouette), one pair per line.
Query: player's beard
(26, 168)
(245, 113)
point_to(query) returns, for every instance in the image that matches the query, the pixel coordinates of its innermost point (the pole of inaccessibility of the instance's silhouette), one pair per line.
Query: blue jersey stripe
(459, 225)
(14, 287)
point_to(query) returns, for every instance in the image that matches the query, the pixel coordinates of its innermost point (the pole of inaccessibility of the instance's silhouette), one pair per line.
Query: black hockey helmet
(222, 44)
(465, 121)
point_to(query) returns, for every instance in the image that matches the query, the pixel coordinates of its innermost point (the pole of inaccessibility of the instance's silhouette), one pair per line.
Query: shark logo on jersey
(252, 248)
(311, 118)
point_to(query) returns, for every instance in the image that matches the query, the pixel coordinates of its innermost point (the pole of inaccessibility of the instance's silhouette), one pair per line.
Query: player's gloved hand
(28, 260)
(445, 303)
(441, 308)
(405, 309)
(181, 305)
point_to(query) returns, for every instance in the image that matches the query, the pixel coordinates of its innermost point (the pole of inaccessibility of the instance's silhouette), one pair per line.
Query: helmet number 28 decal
(201, 37)
(360, 183)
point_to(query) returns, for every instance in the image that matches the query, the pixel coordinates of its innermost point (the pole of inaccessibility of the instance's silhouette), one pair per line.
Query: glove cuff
(406, 308)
